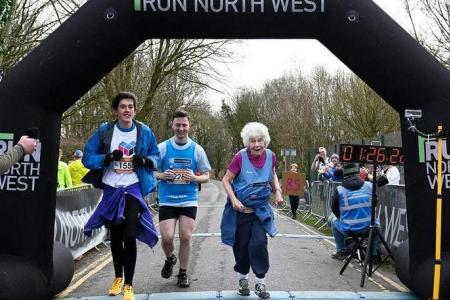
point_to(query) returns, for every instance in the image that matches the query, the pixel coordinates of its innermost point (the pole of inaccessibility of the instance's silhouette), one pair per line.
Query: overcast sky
(262, 60)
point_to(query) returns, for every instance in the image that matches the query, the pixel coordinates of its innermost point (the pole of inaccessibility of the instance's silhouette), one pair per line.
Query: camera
(413, 113)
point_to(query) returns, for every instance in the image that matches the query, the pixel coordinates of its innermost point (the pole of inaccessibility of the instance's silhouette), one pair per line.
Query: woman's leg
(257, 248)
(241, 241)
(293, 200)
(259, 257)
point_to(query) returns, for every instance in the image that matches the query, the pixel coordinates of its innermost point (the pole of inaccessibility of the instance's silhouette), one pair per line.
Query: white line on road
(378, 273)
(90, 267)
(106, 259)
(76, 284)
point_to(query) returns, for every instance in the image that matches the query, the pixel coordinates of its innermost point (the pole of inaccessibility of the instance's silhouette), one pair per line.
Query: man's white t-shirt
(121, 173)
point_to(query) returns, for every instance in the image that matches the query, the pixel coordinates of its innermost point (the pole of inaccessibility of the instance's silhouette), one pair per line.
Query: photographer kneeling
(352, 206)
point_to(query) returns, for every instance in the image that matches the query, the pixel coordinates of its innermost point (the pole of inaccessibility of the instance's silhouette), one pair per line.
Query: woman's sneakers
(167, 270)
(243, 287)
(116, 287)
(260, 291)
(128, 293)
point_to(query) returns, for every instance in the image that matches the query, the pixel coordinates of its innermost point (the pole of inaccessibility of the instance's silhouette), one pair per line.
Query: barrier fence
(74, 206)
(390, 211)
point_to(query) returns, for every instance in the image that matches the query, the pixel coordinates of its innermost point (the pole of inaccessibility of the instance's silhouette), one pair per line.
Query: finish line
(285, 235)
(214, 295)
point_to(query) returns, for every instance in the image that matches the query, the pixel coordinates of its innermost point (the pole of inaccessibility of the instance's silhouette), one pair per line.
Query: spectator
(333, 170)
(392, 174)
(352, 206)
(76, 168)
(293, 199)
(25, 145)
(64, 178)
(319, 162)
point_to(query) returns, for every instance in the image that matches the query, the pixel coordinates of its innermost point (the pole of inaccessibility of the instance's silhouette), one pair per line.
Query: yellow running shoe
(116, 286)
(128, 293)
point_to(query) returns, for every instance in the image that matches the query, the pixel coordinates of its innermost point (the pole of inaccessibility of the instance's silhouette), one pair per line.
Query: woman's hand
(278, 198)
(237, 205)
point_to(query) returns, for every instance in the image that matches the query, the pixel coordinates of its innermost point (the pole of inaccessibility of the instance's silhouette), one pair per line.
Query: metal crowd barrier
(319, 198)
(152, 202)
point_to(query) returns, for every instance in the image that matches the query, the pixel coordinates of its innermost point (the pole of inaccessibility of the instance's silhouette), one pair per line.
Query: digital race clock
(371, 154)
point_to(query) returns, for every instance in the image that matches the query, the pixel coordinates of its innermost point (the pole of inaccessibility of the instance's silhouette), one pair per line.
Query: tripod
(370, 234)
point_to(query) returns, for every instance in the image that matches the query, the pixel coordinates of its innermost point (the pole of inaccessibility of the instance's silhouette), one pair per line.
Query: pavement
(301, 266)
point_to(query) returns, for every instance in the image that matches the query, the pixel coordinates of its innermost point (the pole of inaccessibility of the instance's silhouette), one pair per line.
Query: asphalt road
(297, 264)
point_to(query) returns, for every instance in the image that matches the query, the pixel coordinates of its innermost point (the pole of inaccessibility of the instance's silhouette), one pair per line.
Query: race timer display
(371, 154)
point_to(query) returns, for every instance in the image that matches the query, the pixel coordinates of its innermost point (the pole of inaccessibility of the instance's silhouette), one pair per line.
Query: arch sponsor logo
(231, 6)
(428, 155)
(23, 175)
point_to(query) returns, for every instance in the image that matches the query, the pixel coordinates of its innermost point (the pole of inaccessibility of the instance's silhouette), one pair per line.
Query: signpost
(289, 154)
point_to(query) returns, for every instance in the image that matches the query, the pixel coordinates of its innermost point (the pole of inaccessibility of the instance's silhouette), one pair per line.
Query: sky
(262, 60)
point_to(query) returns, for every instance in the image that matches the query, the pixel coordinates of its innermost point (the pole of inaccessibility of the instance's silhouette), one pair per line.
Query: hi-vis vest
(355, 207)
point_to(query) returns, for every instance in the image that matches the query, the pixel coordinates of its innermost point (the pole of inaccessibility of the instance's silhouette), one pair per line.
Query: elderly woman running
(247, 217)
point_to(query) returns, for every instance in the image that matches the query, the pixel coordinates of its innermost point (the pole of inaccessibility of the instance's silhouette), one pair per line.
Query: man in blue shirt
(352, 206)
(180, 159)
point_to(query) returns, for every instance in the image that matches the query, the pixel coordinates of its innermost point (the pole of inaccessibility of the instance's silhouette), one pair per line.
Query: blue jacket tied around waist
(252, 187)
(111, 210)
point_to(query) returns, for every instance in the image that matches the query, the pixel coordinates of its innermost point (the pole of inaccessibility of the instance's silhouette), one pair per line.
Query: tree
(305, 112)
(434, 32)
(360, 111)
(164, 74)
(23, 24)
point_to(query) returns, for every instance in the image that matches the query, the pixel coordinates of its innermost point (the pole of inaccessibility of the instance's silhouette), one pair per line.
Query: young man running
(122, 156)
(181, 158)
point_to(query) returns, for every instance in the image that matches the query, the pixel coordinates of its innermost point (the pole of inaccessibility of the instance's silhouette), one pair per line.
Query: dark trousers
(250, 246)
(293, 201)
(123, 241)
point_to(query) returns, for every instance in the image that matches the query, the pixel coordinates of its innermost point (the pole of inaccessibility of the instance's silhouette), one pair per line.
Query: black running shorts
(173, 212)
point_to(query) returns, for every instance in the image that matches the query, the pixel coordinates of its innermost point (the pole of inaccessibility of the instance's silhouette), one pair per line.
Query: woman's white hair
(253, 130)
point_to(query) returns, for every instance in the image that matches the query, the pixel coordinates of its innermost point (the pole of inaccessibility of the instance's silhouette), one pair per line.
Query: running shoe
(260, 291)
(167, 270)
(183, 280)
(128, 293)
(243, 287)
(116, 286)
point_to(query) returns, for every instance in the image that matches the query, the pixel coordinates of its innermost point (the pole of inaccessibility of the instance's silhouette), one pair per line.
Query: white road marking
(79, 282)
(378, 273)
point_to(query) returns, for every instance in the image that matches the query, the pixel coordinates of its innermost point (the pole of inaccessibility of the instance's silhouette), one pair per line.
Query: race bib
(179, 178)
(125, 165)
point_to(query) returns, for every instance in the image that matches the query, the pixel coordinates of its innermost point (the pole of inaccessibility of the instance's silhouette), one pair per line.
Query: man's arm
(315, 163)
(93, 159)
(153, 151)
(8, 159)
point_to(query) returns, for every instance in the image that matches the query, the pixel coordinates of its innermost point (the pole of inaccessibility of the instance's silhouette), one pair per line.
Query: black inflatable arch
(103, 32)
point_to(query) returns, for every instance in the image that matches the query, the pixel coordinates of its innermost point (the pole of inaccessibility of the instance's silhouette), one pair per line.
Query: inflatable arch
(103, 32)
